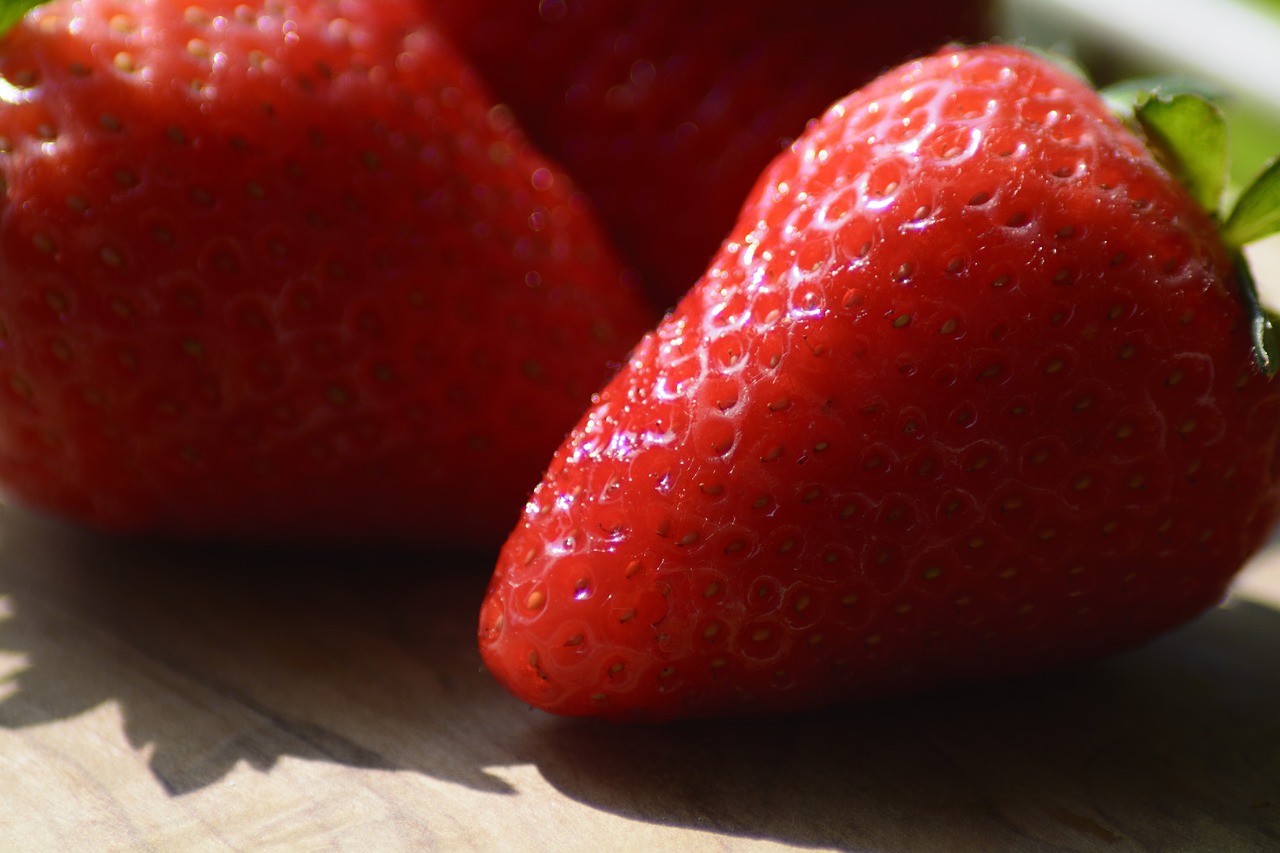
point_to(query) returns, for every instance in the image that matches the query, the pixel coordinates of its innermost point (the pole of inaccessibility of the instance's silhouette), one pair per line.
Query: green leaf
(1125, 96)
(1191, 134)
(11, 11)
(1264, 324)
(1257, 211)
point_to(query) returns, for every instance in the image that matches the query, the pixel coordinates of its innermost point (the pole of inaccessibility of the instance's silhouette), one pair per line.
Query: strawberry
(970, 391)
(665, 111)
(284, 270)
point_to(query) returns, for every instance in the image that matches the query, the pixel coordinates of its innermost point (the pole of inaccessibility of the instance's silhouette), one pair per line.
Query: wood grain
(157, 698)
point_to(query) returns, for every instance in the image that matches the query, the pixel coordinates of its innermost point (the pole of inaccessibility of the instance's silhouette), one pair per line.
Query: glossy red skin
(666, 111)
(285, 275)
(1001, 413)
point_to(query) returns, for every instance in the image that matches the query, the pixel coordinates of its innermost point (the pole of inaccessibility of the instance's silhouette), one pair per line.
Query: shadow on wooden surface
(219, 658)
(1174, 747)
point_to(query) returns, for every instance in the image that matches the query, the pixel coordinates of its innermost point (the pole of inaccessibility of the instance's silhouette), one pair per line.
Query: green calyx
(11, 11)
(1188, 131)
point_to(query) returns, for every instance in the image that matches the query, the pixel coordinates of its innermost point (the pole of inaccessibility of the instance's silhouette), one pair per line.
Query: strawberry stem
(1264, 324)
(1190, 132)
(1187, 131)
(1256, 215)
(1257, 211)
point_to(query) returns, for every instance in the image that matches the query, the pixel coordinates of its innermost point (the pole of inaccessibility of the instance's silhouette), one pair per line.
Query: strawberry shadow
(1144, 751)
(218, 657)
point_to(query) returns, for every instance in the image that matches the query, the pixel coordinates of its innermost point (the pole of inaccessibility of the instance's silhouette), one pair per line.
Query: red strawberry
(282, 269)
(665, 111)
(970, 391)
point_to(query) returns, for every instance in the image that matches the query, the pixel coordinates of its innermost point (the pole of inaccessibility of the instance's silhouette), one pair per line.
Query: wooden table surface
(175, 699)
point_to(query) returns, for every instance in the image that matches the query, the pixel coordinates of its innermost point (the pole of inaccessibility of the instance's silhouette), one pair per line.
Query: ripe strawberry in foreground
(972, 390)
(282, 270)
(665, 111)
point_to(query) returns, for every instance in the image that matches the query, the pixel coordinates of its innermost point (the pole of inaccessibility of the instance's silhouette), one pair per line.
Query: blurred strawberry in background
(665, 111)
(284, 271)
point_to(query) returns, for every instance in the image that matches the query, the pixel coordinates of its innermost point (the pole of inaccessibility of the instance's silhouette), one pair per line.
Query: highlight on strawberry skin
(977, 386)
